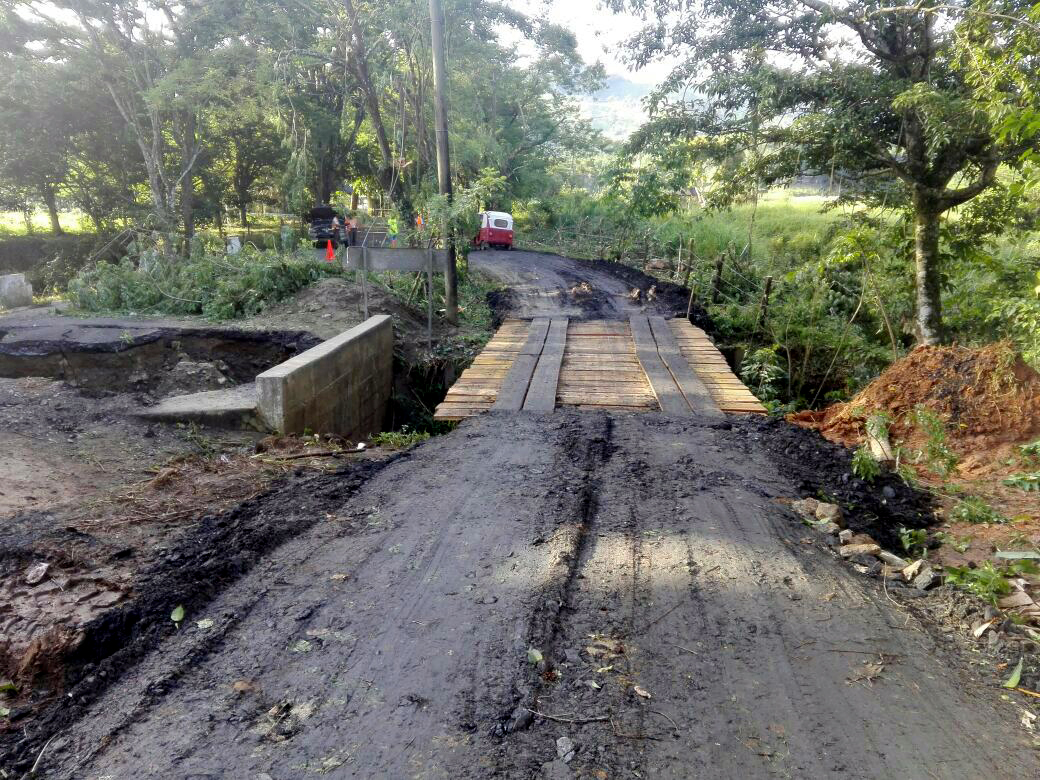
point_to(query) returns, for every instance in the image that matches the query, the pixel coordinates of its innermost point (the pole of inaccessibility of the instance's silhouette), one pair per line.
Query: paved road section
(633, 578)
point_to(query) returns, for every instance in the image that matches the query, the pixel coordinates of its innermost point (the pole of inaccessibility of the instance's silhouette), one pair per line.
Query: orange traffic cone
(330, 253)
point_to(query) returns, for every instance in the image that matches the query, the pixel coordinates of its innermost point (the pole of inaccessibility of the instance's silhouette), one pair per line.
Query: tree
(872, 92)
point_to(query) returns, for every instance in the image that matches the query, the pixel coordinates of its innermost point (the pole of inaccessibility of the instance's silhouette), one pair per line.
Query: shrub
(214, 285)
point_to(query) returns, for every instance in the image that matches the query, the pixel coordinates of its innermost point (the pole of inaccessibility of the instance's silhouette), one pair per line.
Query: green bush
(214, 285)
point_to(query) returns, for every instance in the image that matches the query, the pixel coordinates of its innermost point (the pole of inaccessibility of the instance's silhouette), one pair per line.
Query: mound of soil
(330, 306)
(822, 469)
(988, 399)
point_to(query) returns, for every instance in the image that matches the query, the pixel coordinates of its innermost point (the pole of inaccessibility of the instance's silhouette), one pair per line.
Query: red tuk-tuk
(496, 230)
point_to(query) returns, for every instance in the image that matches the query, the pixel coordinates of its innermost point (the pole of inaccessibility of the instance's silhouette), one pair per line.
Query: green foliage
(400, 440)
(211, 284)
(988, 581)
(1032, 450)
(762, 371)
(972, 509)
(1028, 482)
(864, 465)
(937, 454)
(914, 541)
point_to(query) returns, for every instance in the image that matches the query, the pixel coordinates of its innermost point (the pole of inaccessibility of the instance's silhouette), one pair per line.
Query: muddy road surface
(546, 285)
(566, 595)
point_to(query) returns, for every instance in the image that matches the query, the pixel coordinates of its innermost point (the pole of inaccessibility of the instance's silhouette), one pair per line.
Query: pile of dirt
(332, 305)
(988, 398)
(823, 470)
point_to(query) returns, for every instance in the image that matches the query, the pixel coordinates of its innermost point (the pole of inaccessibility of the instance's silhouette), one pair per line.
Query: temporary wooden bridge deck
(645, 364)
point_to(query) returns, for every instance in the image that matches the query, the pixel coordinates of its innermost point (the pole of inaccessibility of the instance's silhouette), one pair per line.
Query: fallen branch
(562, 719)
(674, 724)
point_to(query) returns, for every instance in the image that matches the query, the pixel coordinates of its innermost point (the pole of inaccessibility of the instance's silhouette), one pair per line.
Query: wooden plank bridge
(644, 364)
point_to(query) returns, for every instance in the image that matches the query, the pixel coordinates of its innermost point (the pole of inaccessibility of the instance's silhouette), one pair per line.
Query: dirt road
(575, 594)
(543, 285)
(394, 639)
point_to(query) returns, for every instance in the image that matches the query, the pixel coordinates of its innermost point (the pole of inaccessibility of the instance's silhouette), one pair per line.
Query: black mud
(669, 294)
(189, 572)
(823, 470)
(100, 357)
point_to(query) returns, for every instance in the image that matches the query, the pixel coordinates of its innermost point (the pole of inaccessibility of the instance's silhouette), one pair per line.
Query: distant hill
(617, 109)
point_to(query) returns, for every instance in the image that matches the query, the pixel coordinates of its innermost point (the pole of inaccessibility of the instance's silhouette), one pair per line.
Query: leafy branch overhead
(915, 107)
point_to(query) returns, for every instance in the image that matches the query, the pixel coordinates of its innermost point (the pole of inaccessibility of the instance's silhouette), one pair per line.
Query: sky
(599, 32)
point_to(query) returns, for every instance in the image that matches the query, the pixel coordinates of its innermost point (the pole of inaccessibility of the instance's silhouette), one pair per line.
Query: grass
(400, 440)
(976, 511)
(13, 224)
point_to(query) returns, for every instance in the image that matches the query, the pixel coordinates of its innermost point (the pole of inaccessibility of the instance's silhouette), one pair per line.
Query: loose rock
(925, 579)
(806, 508)
(565, 749)
(892, 560)
(851, 550)
(912, 570)
(830, 513)
(36, 573)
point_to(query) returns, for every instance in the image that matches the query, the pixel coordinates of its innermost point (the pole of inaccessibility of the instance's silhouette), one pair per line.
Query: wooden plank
(693, 390)
(663, 384)
(518, 381)
(541, 395)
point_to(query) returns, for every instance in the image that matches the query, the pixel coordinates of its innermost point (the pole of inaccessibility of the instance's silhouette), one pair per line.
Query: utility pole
(440, 87)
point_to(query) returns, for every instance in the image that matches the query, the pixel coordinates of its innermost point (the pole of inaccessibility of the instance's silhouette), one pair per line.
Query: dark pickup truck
(320, 228)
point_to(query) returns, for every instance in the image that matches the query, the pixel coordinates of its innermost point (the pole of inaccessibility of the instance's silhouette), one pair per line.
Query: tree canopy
(162, 113)
(915, 106)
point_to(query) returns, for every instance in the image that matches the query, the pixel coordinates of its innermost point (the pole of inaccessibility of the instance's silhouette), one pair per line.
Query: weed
(400, 440)
(974, 510)
(960, 544)
(989, 581)
(914, 541)
(1027, 482)
(986, 581)
(193, 434)
(863, 464)
(1032, 450)
(939, 457)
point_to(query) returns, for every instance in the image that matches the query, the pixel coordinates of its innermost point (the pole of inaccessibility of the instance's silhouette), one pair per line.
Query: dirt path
(392, 639)
(628, 587)
(549, 285)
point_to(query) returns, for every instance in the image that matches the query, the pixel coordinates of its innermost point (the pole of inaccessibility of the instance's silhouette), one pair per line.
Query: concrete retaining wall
(341, 386)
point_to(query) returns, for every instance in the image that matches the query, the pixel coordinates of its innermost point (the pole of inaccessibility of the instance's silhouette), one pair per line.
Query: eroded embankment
(67, 669)
(121, 358)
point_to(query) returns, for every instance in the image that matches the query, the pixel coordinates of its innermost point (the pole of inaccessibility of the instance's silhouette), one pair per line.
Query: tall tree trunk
(358, 63)
(926, 255)
(188, 181)
(243, 216)
(47, 191)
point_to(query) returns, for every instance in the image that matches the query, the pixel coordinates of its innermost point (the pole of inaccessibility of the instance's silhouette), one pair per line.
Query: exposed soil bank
(70, 668)
(115, 356)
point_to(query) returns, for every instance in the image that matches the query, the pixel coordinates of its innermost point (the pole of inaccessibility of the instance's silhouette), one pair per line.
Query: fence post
(364, 278)
(429, 299)
(764, 308)
(716, 283)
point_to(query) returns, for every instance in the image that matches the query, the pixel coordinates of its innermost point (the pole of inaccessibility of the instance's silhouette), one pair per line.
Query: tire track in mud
(695, 586)
(590, 452)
